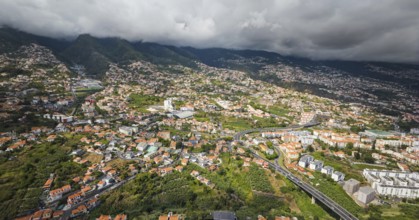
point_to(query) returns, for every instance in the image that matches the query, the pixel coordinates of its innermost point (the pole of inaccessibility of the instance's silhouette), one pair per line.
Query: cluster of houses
(117, 217)
(305, 138)
(393, 183)
(307, 161)
(43, 214)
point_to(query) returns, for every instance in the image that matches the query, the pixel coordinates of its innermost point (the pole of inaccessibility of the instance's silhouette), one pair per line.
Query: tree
(310, 148)
(350, 145)
(357, 155)
(368, 158)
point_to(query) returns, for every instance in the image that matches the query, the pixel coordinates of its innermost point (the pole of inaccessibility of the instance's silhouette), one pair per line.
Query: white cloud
(386, 30)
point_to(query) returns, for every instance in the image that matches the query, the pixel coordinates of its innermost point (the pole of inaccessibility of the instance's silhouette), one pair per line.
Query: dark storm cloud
(384, 30)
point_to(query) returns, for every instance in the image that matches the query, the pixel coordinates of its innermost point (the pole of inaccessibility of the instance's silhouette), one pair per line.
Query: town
(85, 139)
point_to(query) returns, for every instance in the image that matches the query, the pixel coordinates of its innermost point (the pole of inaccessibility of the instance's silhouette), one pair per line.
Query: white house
(128, 130)
(328, 170)
(305, 160)
(338, 176)
(316, 165)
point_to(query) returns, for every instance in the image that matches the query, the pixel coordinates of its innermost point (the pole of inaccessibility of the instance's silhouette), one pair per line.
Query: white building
(394, 183)
(328, 170)
(316, 165)
(128, 130)
(168, 106)
(305, 160)
(59, 117)
(307, 117)
(338, 176)
(351, 186)
(366, 194)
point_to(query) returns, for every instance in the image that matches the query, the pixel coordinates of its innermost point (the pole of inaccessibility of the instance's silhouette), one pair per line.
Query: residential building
(316, 165)
(393, 183)
(338, 176)
(366, 194)
(351, 186)
(328, 170)
(305, 160)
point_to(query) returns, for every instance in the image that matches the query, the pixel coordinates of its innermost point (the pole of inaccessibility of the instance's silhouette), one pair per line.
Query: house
(164, 135)
(305, 160)
(92, 203)
(328, 170)
(74, 198)
(37, 215)
(108, 157)
(51, 138)
(142, 146)
(338, 176)
(101, 184)
(81, 209)
(179, 168)
(86, 189)
(166, 170)
(47, 214)
(194, 173)
(128, 130)
(121, 217)
(57, 214)
(366, 194)
(104, 217)
(340, 154)
(266, 149)
(184, 161)
(316, 165)
(170, 216)
(48, 183)
(173, 145)
(58, 193)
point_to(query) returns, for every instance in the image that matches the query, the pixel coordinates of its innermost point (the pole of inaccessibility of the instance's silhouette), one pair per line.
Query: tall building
(168, 106)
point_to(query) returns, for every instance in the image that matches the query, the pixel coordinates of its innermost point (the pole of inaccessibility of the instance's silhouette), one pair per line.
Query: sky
(375, 30)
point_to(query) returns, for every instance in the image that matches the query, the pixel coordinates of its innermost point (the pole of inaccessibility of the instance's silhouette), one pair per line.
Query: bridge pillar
(313, 200)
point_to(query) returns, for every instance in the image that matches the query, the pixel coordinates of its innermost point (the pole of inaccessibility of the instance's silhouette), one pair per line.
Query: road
(319, 196)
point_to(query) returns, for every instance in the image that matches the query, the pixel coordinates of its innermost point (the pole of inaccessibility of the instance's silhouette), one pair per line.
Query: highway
(319, 196)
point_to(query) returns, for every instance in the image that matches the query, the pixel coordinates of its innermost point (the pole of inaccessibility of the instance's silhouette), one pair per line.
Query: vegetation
(335, 192)
(141, 102)
(258, 180)
(248, 191)
(22, 177)
(340, 165)
(31, 120)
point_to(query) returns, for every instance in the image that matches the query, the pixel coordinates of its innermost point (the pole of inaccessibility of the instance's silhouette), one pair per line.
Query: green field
(141, 102)
(236, 124)
(248, 191)
(22, 177)
(335, 192)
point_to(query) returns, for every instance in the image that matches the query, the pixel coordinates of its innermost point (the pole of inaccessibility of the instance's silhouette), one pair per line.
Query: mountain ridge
(96, 53)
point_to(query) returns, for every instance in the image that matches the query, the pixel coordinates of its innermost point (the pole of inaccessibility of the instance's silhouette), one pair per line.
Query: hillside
(361, 82)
